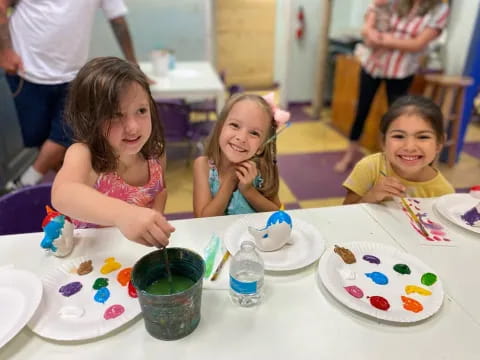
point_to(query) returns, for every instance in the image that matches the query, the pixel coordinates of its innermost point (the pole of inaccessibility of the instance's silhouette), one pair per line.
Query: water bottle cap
(247, 244)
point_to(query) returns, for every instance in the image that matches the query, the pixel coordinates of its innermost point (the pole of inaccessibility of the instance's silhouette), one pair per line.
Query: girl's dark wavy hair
(405, 6)
(94, 100)
(266, 160)
(415, 105)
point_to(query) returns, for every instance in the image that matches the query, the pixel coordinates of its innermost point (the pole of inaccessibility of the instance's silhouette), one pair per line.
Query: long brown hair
(266, 159)
(93, 101)
(405, 6)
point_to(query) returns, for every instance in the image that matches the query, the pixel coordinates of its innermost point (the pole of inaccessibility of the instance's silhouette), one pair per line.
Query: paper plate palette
(308, 244)
(452, 206)
(383, 282)
(87, 313)
(20, 295)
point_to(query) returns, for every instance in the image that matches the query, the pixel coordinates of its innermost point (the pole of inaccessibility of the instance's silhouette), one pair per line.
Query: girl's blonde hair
(405, 6)
(94, 100)
(267, 157)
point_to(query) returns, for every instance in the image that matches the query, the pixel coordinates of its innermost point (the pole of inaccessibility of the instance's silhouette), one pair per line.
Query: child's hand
(246, 173)
(387, 186)
(145, 226)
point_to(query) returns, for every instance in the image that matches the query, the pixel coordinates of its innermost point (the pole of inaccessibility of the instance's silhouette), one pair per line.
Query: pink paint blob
(355, 291)
(113, 311)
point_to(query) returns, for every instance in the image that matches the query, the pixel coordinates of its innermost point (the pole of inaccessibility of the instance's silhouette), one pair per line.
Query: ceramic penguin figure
(276, 233)
(58, 233)
(472, 216)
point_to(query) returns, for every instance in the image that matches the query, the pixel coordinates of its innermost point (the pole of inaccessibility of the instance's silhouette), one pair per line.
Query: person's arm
(161, 197)
(122, 34)
(246, 173)
(387, 187)
(416, 44)
(9, 59)
(74, 196)
(369, 32)
(203, 203)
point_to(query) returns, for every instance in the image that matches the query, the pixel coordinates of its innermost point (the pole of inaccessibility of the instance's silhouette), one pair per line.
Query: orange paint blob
(411, 304)
(124, 275)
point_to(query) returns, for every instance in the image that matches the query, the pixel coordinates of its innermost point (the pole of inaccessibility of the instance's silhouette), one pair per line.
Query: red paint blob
(131, 290)
(380, 303)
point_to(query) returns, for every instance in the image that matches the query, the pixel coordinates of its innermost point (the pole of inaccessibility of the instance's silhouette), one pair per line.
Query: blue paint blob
(378, 277)
(52, 231)
(102, 295)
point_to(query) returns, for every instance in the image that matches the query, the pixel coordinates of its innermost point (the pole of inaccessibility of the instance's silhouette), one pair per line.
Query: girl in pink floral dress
(114, 174)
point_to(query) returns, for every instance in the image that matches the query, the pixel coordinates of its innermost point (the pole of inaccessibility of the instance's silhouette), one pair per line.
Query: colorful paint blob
(378, 277)
(163, 286)
(379, 302)
(411, 304)
(113, 311)
(85, 268)
(346, 255)
(100, 283)
(355, 291)
(429, 279)
(124, 275)
(102, 295)
(418, 290)
(371, 259)
(347, 274)
(402, 269)
(70, 288)
(131, 290)
(110, 265)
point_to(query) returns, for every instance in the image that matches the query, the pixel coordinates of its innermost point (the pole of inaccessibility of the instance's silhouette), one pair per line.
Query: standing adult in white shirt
(43, 44)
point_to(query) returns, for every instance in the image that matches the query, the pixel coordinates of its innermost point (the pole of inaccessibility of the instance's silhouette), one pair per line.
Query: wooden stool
(448, 92)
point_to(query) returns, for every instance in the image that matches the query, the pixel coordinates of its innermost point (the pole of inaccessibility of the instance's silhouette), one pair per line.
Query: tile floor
(307, 152)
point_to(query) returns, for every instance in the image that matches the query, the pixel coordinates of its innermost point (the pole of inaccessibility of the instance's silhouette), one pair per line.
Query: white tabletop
(191, 80)
(298, 318)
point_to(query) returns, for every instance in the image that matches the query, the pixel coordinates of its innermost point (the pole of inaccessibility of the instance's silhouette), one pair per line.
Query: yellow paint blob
(417, 289)
(110, 265)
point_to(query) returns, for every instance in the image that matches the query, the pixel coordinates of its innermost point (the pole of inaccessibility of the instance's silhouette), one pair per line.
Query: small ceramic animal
(472, 216)
(276, 233)
(58, 233)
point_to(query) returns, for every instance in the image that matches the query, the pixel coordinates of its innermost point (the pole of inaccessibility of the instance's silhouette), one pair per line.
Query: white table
(190, 80)
(458, 265)
(298, 319)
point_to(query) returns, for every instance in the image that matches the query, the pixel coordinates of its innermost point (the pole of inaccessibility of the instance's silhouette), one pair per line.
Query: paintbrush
(271, 138)
(411, 213)
(220, 266)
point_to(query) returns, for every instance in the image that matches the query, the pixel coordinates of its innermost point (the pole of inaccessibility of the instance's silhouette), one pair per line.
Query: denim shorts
(40, 112)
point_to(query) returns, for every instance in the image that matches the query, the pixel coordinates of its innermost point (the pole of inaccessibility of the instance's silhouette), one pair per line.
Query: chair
(448, 92)
(22, 211)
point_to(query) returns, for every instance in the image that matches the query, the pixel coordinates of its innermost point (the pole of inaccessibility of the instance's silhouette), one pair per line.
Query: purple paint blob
(355, 291)
(113, 311)
(371, 259)
(70, 288)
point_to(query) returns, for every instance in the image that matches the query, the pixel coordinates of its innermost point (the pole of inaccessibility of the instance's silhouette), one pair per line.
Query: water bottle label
(241, 287)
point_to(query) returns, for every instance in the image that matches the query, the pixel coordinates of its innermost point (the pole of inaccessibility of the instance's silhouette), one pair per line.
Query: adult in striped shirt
(413, 25)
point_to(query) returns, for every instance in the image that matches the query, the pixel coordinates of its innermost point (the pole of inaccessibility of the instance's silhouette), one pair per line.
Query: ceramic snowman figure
(58, 233)
(276, 233)
(472, 216)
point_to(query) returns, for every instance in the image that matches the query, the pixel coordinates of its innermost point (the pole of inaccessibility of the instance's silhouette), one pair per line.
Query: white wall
(460, 29)
(181, 25)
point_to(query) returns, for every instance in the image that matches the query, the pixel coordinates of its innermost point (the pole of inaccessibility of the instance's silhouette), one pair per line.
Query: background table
(297, 320)
(190, 80)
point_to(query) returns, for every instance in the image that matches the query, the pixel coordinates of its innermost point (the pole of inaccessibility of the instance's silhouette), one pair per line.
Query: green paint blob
(100, 283)
(402, 269)
(162, 286)
(429, 279)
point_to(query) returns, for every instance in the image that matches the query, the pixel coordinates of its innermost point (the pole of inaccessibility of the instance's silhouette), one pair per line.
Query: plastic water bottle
(246, 276)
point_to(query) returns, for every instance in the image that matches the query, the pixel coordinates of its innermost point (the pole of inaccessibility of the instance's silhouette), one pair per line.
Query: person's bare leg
(347, 158)
(50, 157)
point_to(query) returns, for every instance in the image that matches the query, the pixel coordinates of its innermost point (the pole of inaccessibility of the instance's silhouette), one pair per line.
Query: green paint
(100, 283)
(429, 279)
(162, 286)
(402, 269)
